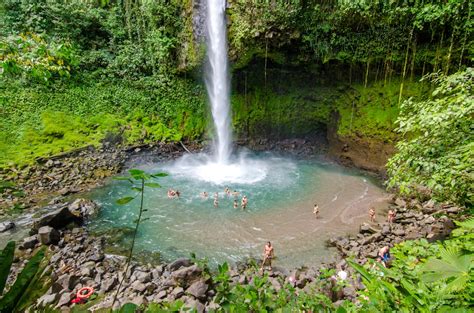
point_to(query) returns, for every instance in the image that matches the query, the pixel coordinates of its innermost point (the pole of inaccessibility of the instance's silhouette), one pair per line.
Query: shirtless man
(235, 193)
(372, 214)
(391, 216)
(316, 210)
(384, 255)
(204, 195)
(216, 202)
(227, 190)
(268, 255)
(236, 204)
(244, 203)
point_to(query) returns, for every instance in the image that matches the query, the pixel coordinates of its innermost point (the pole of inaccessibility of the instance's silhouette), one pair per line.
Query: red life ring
(81, 295)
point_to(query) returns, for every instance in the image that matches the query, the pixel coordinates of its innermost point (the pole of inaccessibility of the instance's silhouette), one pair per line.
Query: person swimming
(171, 193)
(204, 195)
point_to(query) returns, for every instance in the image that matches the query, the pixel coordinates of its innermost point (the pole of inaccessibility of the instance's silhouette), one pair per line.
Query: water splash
(217, 78)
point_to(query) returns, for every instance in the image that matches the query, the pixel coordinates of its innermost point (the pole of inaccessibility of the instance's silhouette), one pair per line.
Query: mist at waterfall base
(280, 210)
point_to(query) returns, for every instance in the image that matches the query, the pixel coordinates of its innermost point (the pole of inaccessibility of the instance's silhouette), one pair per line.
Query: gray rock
(29, 242)
(64, 299)
(138, 286)
(6, 226)
(177, 292)
(108, 284)
(160, 295)
(429, 220)
(84, 207)
(385, 230)
(198, 289)
(178, 263)
(399, 232)
(138, 300)
(187, 275)
(373, 238)
(48, 235)
(400, 202)
(367, 228)
(143, 277)
(47, 299)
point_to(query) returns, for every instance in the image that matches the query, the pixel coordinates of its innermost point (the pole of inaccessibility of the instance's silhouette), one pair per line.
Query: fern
(469, 223)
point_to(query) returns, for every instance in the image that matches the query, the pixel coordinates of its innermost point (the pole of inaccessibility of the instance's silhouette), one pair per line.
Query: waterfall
(217, 78)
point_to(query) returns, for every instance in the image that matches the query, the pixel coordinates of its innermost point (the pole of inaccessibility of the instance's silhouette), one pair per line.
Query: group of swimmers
(172, 194)
(244, 202)
(390, 215)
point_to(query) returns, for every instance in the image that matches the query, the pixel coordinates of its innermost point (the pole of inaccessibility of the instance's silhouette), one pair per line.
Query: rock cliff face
(362, 152)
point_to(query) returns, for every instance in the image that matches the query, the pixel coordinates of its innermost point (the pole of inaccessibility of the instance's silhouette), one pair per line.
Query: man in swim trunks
(236, 204)
(372, 214)
(268, 254)
(316, 210)
(384, 255)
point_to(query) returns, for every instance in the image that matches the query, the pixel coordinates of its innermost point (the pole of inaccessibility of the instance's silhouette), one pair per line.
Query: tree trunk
(405, 66)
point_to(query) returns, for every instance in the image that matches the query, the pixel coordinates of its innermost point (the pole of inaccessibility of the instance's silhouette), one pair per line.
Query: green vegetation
(23, 291)
(435, 158)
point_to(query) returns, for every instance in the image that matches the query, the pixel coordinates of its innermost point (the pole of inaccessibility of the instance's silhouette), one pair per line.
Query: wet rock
(198, 289)
(57, 219)
(6, 226)
(29, 242)
(178, 263)
(48, 235)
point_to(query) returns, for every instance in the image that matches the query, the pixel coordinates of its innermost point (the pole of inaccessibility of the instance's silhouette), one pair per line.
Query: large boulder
(48, 235)
(29, 242)
(57, 219)
(83, 207)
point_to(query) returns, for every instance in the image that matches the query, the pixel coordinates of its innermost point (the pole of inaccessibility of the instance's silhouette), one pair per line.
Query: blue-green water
(281, 195)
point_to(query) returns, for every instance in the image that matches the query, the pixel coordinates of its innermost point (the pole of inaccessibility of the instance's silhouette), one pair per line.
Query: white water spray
(217, 78)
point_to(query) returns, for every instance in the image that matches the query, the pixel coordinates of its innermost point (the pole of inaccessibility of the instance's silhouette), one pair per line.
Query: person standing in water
(244, 202)
(316, 210)
(216, 202)
(372, 214)
(268, 255)
(391, 216)
(236, 204)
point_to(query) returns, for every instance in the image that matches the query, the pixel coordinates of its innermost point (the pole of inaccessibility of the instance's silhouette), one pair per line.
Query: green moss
(372, 111)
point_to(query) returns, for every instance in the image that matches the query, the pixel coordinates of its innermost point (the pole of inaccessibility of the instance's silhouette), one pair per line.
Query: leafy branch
(138, 180)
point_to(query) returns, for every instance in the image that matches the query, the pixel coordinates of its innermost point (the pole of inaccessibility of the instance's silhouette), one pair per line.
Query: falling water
(217, 78)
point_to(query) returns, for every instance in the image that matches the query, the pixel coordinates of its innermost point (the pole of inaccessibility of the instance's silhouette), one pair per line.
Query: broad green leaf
(128, 308)
(10, 299)
(153, 185)
(159, 175)
(124, 200)
(6, 260)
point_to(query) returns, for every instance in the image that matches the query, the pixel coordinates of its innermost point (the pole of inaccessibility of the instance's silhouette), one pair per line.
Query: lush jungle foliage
(437, 154)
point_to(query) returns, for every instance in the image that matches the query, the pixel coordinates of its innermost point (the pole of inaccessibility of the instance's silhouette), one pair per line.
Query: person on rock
(316, 211)
(372, 214)
(245, 202)
(391, 216)
(268, 255)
